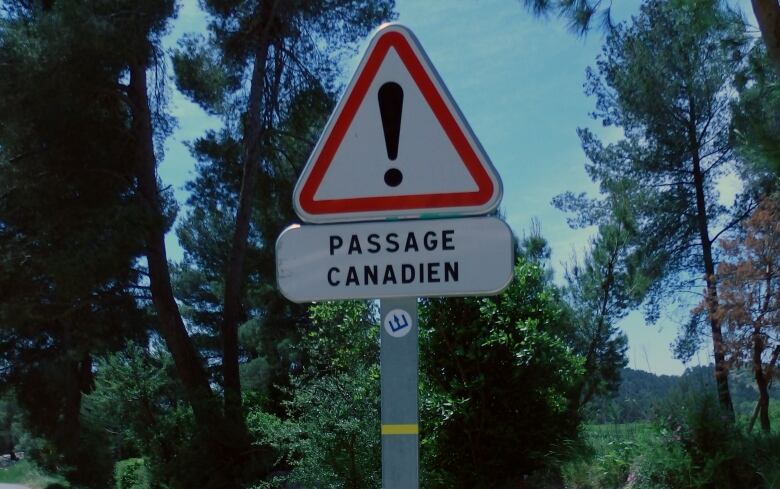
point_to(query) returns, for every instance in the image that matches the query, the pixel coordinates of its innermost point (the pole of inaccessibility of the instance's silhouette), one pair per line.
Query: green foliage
(73, 223)
(301, 44)
(132, 398)
(637, 399)
(690, 445)
(756, 124)
(666, 79)
(137, 400)
(343, 335)
(697, 447)
(71, 226)
(643, 395)
(330, 437)
(600, 291)
(200, 74)
(16, 472)
(495, 371)
(132, 474)
(580, 16)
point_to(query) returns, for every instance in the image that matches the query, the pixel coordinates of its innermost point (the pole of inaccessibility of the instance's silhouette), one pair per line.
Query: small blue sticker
(397, 323)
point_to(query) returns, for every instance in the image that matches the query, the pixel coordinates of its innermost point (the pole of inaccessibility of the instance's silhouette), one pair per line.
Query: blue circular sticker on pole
(397, 323)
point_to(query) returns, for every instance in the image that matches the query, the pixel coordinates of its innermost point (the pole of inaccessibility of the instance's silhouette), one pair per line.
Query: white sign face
(396, 145)
(397, 323)
(375, 260)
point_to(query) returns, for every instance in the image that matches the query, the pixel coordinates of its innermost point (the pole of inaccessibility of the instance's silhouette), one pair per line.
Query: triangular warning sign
(396, 145)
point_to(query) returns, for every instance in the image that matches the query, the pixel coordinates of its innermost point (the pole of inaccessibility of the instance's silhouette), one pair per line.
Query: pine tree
(581, 15)
(750, 299)
(268, 70)
(70, 222)
(666, 81)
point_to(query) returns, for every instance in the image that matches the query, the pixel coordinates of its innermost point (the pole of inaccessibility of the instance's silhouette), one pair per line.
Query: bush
(697, 448)
(328, 437)
(331, 439)
(607, 460)
(498, 383)
(132, 474)
(138, 399)
(691, 446)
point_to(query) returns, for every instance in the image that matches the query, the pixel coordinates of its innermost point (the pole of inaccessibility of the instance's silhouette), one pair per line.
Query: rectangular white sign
(375, 260)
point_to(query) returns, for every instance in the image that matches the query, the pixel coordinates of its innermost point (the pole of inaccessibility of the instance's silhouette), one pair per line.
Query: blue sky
(519, 83)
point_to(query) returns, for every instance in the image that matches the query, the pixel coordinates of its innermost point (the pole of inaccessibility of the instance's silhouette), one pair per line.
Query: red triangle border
(485, 186)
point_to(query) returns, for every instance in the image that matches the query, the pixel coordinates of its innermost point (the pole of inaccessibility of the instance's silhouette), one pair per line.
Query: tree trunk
(767, 14)
(188, 363)
(71, 413)
(763, 401)
(234, 275)
(761, 380)
(768, 375)
(78, 380)
(591, 363)
(721, 369)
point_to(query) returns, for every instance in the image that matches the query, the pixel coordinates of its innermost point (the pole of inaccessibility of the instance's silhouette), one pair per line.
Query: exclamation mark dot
(391, 102)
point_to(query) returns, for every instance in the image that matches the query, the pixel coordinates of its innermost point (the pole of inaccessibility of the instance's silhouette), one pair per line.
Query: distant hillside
(642, 394)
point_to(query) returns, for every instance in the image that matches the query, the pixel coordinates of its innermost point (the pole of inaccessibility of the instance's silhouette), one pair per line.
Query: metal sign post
(398, 378)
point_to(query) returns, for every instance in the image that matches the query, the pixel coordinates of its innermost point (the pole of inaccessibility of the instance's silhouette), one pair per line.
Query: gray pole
(398, 377)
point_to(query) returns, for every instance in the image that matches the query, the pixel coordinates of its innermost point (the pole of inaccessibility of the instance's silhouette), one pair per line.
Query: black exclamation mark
(391, 103)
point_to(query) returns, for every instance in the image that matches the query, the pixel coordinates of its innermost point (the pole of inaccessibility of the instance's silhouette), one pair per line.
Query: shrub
(691, 446)
(498, 380)
(132, 474)
(697, 448)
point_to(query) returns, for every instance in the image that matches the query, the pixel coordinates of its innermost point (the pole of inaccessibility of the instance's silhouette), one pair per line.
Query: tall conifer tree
(70, 221)
(268, 69)
(666, 80)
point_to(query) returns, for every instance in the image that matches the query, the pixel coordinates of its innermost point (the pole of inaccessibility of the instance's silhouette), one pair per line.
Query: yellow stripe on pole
(400, 429)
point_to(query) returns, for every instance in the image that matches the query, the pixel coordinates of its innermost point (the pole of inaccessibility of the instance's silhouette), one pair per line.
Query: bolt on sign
(396, 192)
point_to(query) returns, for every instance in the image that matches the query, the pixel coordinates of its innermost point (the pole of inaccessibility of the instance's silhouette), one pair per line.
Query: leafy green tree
(118, 44)
(600, 290)
(257, 44)
(666, 81)
(271, 324)
(498, 383)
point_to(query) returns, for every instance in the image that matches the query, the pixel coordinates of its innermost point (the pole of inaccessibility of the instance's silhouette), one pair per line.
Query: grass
(645, 455)
(601, 436)
(614, 448)
(28, 474)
